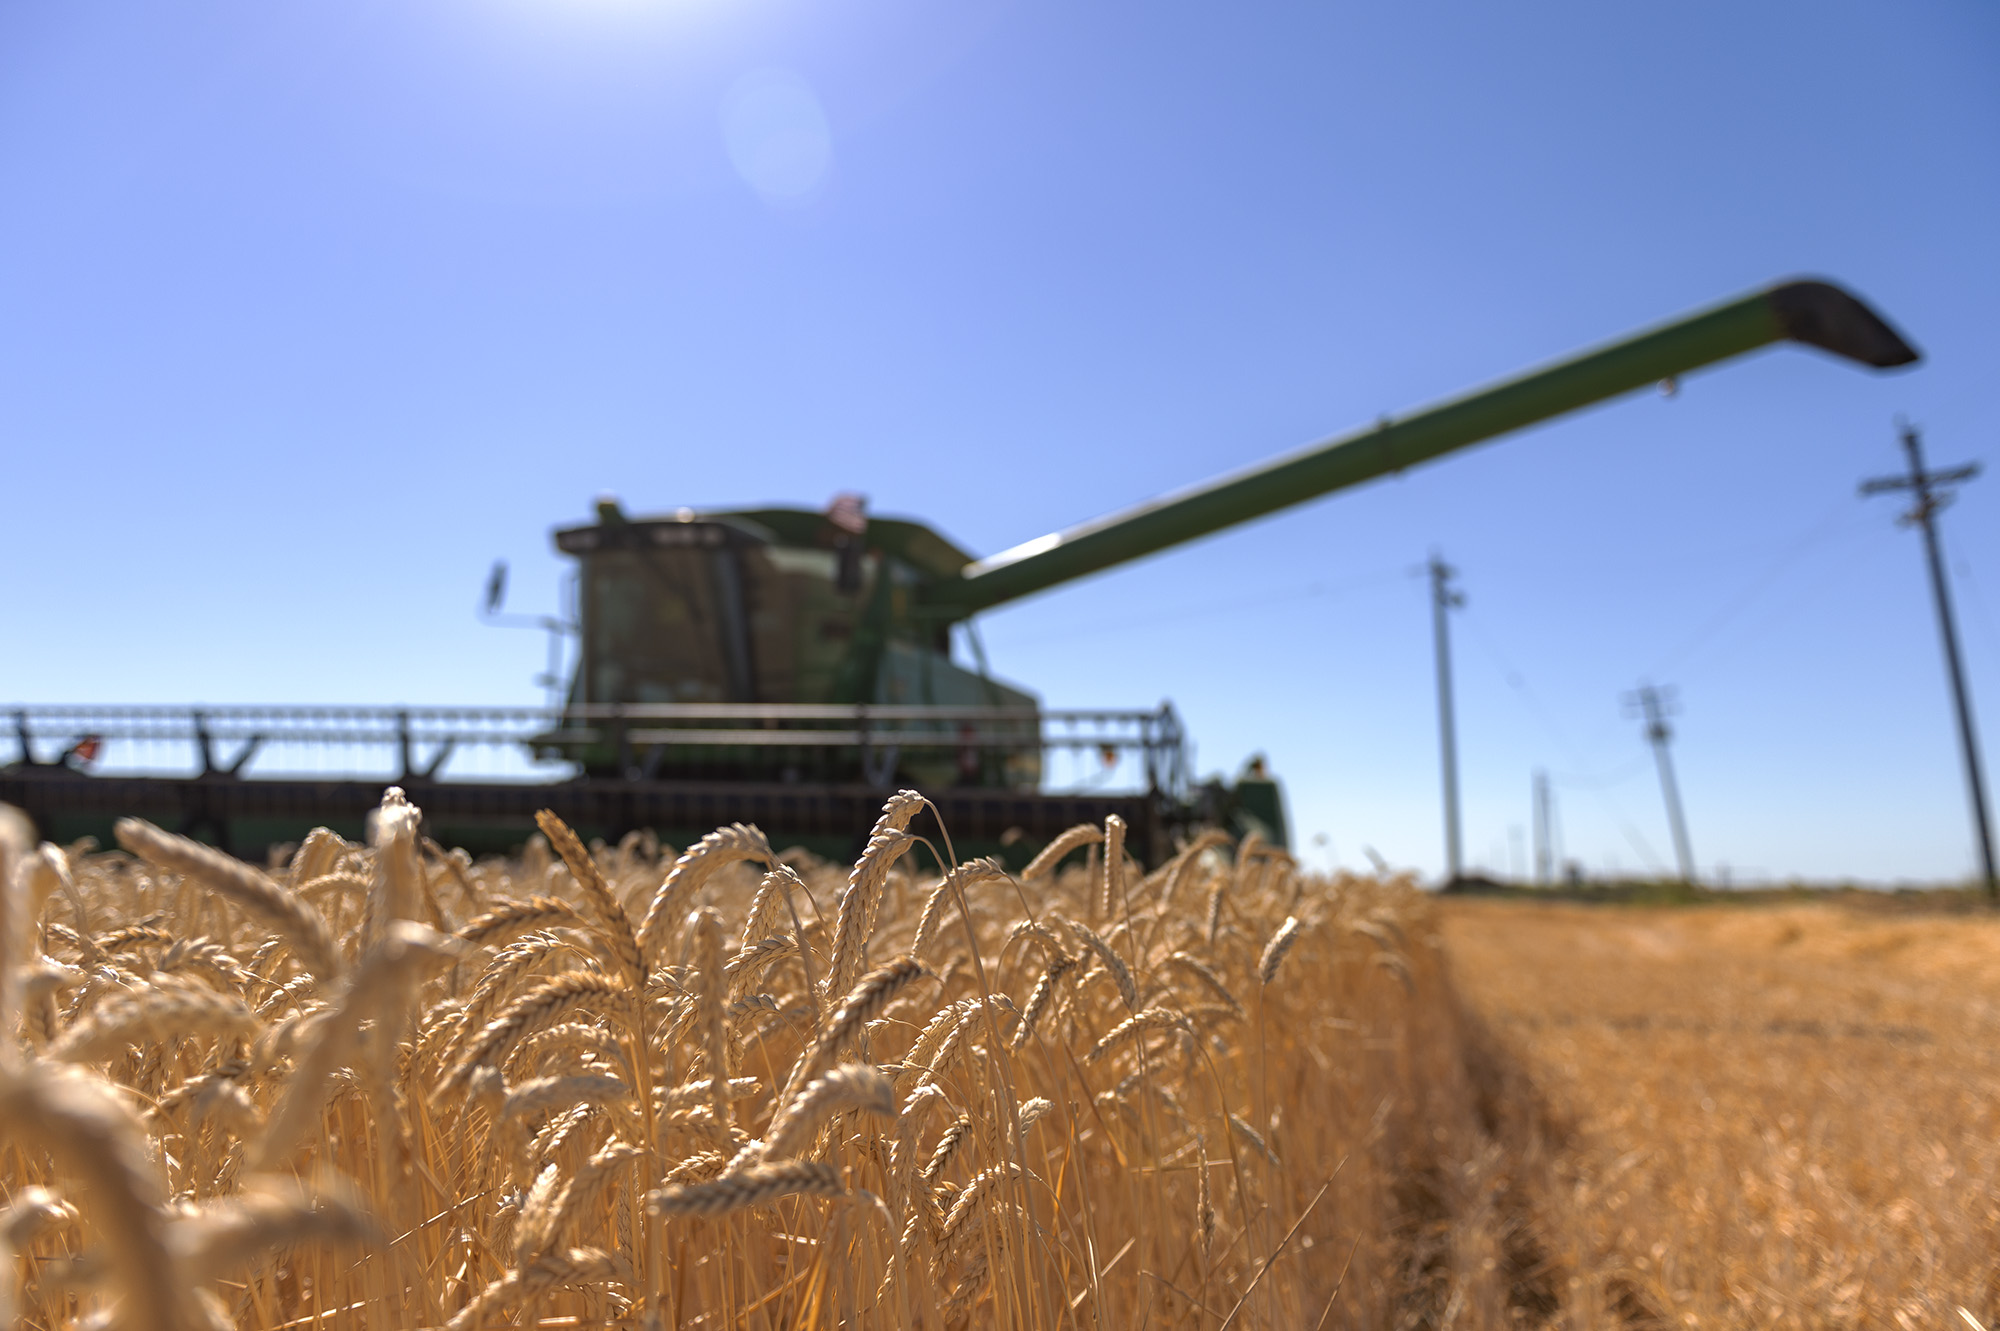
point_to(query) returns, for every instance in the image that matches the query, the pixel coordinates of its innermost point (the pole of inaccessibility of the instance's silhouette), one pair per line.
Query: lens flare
(777, 134)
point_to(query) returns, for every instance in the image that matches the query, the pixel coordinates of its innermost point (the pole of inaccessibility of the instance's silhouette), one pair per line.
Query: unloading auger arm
(1812, 313)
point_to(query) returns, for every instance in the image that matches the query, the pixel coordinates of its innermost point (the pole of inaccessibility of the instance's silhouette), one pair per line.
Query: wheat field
(385, 1086)
(1779, 1115)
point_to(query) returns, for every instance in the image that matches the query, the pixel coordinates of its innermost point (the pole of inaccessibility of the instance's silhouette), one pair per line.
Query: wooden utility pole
(1545, 862)
(1933, 492)
(1653, 706)
(1443, 599)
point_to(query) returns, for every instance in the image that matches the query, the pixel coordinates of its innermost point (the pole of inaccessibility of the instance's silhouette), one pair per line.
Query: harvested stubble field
(1778, 1115)
(385, 1086)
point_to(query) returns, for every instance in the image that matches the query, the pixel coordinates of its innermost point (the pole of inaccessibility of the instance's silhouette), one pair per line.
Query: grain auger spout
(1811, 313)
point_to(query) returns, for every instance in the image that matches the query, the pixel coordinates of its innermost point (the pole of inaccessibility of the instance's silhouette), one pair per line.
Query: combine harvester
(787, 666)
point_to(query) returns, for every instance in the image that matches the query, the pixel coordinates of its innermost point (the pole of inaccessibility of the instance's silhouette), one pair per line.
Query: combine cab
(788, 666)
(758, 645)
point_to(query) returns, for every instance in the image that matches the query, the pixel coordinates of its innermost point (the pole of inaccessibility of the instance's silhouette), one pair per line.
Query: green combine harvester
(787, 666)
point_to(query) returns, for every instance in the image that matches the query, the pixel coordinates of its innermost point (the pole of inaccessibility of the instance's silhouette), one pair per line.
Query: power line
(1827, 525)
(1617, 776)
(1533, 703)
(1837, 521)
(1835, 570)
(1596, 786)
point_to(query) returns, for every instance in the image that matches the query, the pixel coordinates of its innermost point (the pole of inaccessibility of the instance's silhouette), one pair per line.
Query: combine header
(786, 666)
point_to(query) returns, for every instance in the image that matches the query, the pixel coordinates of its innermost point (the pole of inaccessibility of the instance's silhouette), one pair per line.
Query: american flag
(849, 512)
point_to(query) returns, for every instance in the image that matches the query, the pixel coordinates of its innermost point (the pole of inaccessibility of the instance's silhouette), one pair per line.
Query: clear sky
(308, 311)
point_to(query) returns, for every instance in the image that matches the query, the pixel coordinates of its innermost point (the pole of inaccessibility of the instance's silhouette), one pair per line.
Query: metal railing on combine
(224, 740)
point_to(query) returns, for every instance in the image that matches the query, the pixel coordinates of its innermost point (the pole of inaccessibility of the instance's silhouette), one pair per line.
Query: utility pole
(1544, 843)
(1933, 492)
(1654, 706)
(1443, 599)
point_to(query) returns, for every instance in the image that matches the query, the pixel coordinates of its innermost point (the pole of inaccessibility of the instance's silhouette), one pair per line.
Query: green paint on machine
(797, 606)
(790, 663)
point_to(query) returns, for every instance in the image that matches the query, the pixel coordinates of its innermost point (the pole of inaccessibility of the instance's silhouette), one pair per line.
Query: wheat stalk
(1113, 894)
(568, 1037)
(1204, 1206)
(1151, 1019)
(508, 920)
(850, 1086)
(725, 845)
(754, 1186)
(532, 1011)
(132, 936)
(863, 897)
(301, 925)
(534, 1098)
(577, 1266)
(1187, 864)
(969, 874)
(101, 1145)
(672, 1098)
(1047, 938)
(1254, 1137)
(316, 856)
(1038, 999)
(612, 923)
(1201, 970)
(159, 1010)
(268, 1213)
(753, 957)
(976, 1194)
(710, 1007)
(924, 1048)
(868, 997)
(507, 966)
(947, 1145)
(1083, 834)
(1114, 965)
(1275, 950)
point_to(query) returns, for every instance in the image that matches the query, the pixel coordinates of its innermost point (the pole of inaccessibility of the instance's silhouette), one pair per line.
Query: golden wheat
(1747, 1115)
(388, 1086)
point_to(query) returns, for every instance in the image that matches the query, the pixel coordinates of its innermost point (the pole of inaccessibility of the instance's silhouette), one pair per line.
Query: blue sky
(310, 311)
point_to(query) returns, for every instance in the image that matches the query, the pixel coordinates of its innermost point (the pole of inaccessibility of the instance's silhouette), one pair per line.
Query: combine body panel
(787, 659)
